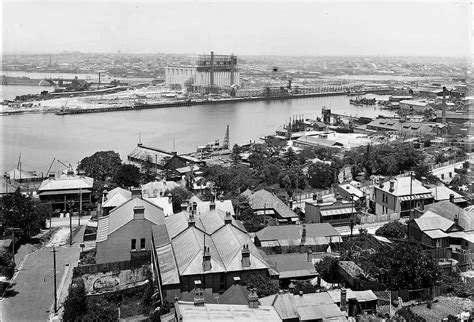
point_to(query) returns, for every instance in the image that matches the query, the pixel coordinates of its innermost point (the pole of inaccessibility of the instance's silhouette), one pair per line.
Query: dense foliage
(7, 266)
(263, 285)
(244, 213)
(179, 195)
(328, 269)
(75, 304)
(22, 212)
(452, 282)
(101, 166)
(393, 229)
(384, 159)
(127, 175)
(406, 265)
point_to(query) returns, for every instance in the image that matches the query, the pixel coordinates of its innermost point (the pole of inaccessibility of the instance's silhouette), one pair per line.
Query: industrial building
(210, 70)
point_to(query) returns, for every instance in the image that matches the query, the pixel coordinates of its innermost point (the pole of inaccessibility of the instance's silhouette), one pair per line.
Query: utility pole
(55, 289)
(13, 230)
(70, 203)
(80, 206)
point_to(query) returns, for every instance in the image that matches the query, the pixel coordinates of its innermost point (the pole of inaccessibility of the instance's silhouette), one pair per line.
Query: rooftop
(448, 210)
(262, 199)
(403, 186)
(66, 182)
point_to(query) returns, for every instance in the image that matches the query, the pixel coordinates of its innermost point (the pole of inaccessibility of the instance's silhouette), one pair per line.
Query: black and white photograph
(236, 160)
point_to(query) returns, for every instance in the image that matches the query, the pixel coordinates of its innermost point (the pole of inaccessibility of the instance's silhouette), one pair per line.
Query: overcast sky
(442, 28)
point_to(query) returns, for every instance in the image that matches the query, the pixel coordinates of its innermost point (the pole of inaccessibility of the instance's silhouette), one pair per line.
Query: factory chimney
(443, 115)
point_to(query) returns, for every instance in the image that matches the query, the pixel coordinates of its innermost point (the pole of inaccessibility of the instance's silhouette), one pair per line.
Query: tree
(292, 179)
(179, 195)
(245, 214)
(290, 157)
(7, 266)
(101, 166)
(393, 229)
(148, 170)
(327, 268)
(407, 265)
(423, 170)
(235, 155)
(75, 304)
(263, 284)
(305, 286)
(320, 175)
(100, 310)
(22, 212)
(127, 175)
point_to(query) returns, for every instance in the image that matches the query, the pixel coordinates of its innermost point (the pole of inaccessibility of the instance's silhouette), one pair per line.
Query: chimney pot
(392, 185)
(245, 256)
(206, 260)
(198, 294)
(191, 220)
(253, 299)
(456, 219)
(381, 182)
(320, 199)
(343, 299)
(315, 196)
(228, 218)
(451, 198)
(212, 205)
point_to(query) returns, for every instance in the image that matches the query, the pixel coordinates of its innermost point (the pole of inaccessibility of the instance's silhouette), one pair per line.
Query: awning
(333, 212)
(416, 197)
(64, 192)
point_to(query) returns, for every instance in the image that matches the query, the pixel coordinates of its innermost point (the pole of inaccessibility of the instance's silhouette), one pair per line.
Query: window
(450, 174)
(134, 244)
(442, 176)
(142, 243)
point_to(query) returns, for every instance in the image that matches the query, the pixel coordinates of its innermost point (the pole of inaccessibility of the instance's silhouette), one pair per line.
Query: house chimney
(198, 294)
(315, 197)
(184, 205)
(191, 220)
(343, 299)
(136, 192)
(381, 182)
(320, 199)
(138, 212)
(290, 203)
(339, 198)
(253, 299)
(423, 181)
(456, 219)
(245, 256)
(212, 205)
(392, 185)
(194, 208)
(206, 260)
(236, 280)
(228, 218)
(70, 172)
(451, 198)
(81, 173)
(52, 176)
(309, 256)
(170, 198)
(303, 234)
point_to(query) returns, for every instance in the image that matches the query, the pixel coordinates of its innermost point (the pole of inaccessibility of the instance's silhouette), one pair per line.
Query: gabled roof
(292, 265)
(124, 214)
(402, 187)
(154, 188)
(432, 221)
(223, 205)
(162, 202)
(263, 199)
(66, 182)
(442, 192)
(225, 242)
(188, 312)
(448, 210)
(236, 294)
(116, 197)
(153, 155)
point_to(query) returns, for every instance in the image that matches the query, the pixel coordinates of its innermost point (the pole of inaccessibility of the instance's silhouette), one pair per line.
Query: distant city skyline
(351, 28)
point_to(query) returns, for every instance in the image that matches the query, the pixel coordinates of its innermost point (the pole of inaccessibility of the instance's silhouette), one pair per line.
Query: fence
(105, 267)
(383, 297)
(372, 219)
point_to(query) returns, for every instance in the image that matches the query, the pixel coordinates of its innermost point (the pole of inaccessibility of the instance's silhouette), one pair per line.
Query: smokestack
(245, 256)
(343, 299)
(211, 73)
(443, 115)
(206, 260)
(232, 69)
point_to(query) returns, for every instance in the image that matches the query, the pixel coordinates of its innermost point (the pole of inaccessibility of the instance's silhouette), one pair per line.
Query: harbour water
(41, 137)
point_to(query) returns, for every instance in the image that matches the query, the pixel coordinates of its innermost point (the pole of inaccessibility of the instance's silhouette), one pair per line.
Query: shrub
(75, 303)
(263, 285)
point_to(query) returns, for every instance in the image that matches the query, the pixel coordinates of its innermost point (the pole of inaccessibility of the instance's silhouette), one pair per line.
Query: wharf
(193, 103)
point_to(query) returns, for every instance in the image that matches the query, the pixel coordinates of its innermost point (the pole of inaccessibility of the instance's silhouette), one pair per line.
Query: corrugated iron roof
(168, 269)
(401, 187)
(435, 234)
(65, 182)
(319, 312)
(263, 199)
(432, 221)
(448, 210)
(291, 232)
(339, 211)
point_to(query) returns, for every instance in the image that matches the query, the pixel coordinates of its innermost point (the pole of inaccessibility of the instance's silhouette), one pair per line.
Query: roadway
(31, 296)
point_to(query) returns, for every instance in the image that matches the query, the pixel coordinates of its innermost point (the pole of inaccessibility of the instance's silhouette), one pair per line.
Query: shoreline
(188, 103)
